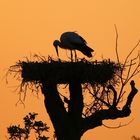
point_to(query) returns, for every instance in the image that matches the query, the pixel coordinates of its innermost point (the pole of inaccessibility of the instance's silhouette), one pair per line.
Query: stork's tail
(87, 51)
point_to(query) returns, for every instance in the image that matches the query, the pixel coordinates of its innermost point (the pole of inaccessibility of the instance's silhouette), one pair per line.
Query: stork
(73, 41)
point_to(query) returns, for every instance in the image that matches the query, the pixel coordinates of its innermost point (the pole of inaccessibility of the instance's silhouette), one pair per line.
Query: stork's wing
(83, 39)
(73, 38)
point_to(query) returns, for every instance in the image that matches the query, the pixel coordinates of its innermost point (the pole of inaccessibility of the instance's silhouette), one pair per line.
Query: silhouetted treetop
(104, 82)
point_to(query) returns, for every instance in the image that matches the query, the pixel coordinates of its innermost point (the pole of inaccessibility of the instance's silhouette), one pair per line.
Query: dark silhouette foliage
(16, 132)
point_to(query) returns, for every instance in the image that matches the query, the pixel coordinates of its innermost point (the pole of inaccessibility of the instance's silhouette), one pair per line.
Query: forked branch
(131, 66)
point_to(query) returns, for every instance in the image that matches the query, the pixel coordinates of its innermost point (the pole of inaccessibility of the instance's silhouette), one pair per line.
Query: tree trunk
(70, 125)
(66, 124)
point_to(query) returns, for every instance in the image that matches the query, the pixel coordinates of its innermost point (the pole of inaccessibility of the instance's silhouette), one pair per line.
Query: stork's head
(56, 43)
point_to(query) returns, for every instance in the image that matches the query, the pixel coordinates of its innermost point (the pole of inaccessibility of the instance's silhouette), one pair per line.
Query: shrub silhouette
(16, 132)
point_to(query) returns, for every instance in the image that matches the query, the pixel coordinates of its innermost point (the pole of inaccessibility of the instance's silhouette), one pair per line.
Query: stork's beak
(56, 47)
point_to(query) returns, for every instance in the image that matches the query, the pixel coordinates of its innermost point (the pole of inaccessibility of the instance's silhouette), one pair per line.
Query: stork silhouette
(73, 41)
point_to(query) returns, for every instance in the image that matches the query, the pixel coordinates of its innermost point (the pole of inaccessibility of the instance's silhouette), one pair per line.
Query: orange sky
(30, 26)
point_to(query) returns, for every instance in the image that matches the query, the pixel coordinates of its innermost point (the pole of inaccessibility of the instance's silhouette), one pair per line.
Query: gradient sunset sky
(30, 26)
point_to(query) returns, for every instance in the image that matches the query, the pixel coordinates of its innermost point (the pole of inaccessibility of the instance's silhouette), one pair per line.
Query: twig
(116, 45)
(120, 125)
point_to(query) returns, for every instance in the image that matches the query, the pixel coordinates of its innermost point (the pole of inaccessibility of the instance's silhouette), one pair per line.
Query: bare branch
(137, 44)
(116, 45)
(115, 95)
(131, 68)
(135, 71)
(120, 125)
(95, 96)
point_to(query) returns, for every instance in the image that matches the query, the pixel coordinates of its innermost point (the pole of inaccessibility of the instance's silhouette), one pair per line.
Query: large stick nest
(61, 72)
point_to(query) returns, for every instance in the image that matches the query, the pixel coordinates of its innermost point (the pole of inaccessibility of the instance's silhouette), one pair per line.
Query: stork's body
(73, 41)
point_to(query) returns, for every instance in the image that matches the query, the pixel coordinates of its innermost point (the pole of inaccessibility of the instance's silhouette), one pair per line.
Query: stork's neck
(59, 43)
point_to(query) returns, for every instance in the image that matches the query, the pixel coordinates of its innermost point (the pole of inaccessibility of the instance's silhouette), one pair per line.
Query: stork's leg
(71, 56)
(75, 55)
(59, 59)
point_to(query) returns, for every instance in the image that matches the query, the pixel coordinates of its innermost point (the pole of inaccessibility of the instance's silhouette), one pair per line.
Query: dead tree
(73, 115)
